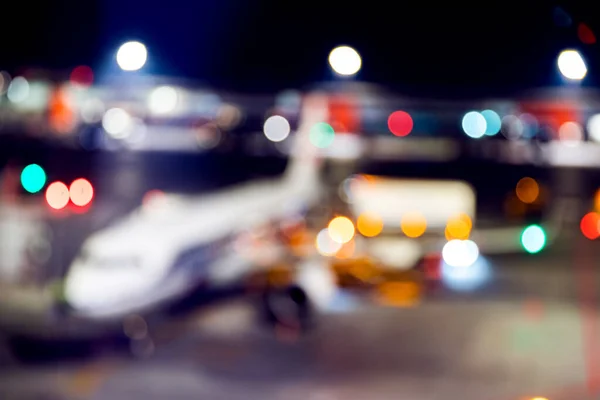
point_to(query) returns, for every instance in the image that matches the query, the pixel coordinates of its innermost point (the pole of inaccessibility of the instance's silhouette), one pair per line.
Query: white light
(18, 90)
(345, 60)
(474, 124)
(325, 245)
(163, 100)
(276, 128)
(460, 253)
(512, 127)
(466, 279)
(117, 123)
(92, 110)
(571, 65)
(132, 56)
(593, 127)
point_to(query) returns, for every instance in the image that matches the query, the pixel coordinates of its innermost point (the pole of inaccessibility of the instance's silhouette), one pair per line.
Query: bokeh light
(570, 133)
(459, 227)
(400, 123)
(33, 178)
(492, 121)
(533, 239)
(82, 76)
(57, 195)
(132, 56)
(474, 124)
(593, 127)
(341, 229)
(413, 224)
(276, 128)
(322, 135)
(81, 192)
(117, 123)
(512, 127)
(163, 100)
(527, 190)
(18, 90)
(571, 65)
(369, 224)
(585, 34)
(597, 200)
(325, 245)
(460, 253)
(345, 60)
(590, 225)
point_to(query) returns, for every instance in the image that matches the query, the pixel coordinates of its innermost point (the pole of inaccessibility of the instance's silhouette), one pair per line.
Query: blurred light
(288, 101)
(325, 245)
(4, 81)
(460, 253)
(341, 229)
(92, 110)
(474, 125)
(132, 56)
(585, 34)
(81, 192)
(18, 90)
(530, 125)
(82, 76)
(597, 201)
(539, 398)
(593, 127)
(512, 127)
(33, 178)
(400, 123)
(163, 100)
(276, 128)
(413, 224)
(345, 60)
(117, 123)
(570, 133)
(492, 121)
(459, 227)
(466, 279)
(533, 239)
(590, 225)
(57, 195)
(347, 250)
(561, 18)
(322, 135)
(527, 190)
(369, 224)
(571, 65)
(208, 136)
(228, 116)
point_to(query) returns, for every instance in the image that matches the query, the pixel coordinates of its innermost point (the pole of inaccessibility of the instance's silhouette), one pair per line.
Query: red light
(589, 225)
(585, 34)
(81, 192)
(57, 195)
(151, 196)
(400, 123)
(82, 75)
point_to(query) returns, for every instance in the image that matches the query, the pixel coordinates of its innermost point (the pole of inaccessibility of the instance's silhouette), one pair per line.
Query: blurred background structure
(297, 201)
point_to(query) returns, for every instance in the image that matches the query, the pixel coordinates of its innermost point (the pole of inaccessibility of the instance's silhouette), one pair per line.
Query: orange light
(597, 201)
(459, 227)
(369, 224)
(527, 190)
(341, 230)
(590, 225)
(57, 195)
(81, 192)
(413, 224)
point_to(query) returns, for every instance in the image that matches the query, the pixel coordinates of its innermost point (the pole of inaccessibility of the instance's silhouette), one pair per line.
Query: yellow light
(369, 224)
(527, 190)
(413, 224)
(341, 229)
(459, 227)
(597, 201)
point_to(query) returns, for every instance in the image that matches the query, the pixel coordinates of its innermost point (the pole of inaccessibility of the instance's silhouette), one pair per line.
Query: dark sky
(437, 48)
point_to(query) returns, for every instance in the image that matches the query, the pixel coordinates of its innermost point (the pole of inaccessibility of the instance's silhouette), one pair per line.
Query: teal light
(493, 122)
(322, 135)
(33, 178)
(533, 239)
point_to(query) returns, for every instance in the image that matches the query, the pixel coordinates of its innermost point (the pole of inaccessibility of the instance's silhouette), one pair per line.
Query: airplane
(170, 245)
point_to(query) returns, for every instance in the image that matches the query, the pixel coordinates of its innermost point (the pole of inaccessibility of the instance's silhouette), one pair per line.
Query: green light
(33, 178)
(533, 239)
(322, 135)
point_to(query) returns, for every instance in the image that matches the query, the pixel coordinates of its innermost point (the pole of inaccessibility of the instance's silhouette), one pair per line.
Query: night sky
(421, 48)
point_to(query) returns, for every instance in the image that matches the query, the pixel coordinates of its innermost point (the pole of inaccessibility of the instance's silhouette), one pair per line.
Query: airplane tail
(304, 162)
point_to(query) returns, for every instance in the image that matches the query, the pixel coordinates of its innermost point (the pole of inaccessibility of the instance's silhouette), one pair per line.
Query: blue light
(474, 125)
(466, 279)
(493, 122)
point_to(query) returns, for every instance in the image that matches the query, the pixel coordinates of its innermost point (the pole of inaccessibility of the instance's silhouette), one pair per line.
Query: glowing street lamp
(571, 65)
(132, 56)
